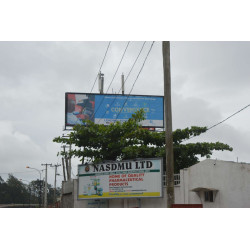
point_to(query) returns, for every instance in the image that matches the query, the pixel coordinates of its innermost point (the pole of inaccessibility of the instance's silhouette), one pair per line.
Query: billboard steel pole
(168, 123)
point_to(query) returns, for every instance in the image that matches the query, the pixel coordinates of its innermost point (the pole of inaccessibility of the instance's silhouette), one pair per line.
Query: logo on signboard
(87, 168)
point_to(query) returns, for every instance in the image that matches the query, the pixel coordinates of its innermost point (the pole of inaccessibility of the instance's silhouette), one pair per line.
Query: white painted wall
(231, 179)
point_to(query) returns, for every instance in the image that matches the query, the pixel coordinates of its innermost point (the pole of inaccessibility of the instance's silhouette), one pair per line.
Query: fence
(176, 179)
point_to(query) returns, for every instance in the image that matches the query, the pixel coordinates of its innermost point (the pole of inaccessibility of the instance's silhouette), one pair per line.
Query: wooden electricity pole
(46, 184)
(55, 166)
(168, 124)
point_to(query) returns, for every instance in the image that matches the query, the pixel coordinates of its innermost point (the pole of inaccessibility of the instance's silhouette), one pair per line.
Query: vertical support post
(168, 123)
(101, 82)
(55, 185)
(46, 187)
(70, 162)
(56, 166)
(54, 198)
(123, 84)
(40, 189)
(46, 184)
(66, 162)
(64, 175)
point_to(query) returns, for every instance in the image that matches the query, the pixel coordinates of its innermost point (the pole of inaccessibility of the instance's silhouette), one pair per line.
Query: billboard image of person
(80, 107)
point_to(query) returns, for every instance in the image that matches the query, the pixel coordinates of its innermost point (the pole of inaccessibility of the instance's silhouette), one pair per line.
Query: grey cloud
(193, 111)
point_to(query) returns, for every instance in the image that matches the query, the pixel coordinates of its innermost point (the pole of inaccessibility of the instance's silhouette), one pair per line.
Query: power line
(100, 67)
(221, 121)
(126, 78)
(112, 78)
(228, 117)
(118, 66)
(136, 78)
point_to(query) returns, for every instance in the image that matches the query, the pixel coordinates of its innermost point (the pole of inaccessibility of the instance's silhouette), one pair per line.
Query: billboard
(106, 109)
(121, 179)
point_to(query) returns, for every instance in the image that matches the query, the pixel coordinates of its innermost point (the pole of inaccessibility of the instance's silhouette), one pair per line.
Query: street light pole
(40, 193)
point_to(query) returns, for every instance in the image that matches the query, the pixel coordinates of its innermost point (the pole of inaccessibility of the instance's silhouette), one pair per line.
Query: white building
(215, 183)
(212, 183)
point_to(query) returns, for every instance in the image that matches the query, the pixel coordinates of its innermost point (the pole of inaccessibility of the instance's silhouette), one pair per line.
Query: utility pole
(66, 162)
(70, 162)
(64, 175)
(123, 84)
(56, 166)
(65, 166)
(168, 124)
(46, 184)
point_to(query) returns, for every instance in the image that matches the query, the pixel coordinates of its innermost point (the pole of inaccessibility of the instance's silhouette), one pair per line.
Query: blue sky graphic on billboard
(105, 109)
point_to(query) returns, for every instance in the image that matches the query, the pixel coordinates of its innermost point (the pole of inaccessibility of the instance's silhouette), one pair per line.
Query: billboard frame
(134, 197)
(78, 93)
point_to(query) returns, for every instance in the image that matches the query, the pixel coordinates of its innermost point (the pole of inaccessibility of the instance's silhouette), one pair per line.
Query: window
(209, 196)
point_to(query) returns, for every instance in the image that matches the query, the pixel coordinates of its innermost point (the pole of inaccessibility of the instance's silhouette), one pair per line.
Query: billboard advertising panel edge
(135, 179)
(108, 108)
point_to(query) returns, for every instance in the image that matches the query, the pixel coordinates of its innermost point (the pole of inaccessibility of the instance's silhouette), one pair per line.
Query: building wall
(231, 179)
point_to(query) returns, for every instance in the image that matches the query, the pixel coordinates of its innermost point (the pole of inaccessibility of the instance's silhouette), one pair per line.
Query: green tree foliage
(34, 187)
(4, 192)
(128, 140)
(16, 192)
(13, 191)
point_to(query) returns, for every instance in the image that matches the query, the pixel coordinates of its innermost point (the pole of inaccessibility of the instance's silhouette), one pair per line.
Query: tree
(14, 191)
(4, 197)
(35, 187)
(128, 140)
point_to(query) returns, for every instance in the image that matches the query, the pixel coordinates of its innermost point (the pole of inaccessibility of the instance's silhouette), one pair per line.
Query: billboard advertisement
(120, 179)
(108, 108)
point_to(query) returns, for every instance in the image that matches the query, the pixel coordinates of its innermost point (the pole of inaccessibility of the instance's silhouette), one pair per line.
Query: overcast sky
(210, 81)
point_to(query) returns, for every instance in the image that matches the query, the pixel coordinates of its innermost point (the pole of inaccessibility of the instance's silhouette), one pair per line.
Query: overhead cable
(228, 117)
(126, 78)
(100, 67)
(113, 77)
(220, 121)
(136, 78)
(118, 66)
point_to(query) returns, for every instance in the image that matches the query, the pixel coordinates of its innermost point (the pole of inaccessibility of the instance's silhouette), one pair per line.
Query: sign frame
(97, 94)
(129, 197)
